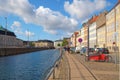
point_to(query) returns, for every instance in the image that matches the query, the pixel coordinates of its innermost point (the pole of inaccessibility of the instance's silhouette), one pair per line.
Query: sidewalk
(78, 71)
(103, 70)
(71, 68)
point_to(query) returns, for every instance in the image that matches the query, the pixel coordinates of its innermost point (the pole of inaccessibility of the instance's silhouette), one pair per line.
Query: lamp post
(5, 32)
(28, 37)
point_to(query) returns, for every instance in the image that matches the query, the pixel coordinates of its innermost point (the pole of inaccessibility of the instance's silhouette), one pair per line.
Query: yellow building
(117, 9)
(113, 28)
(73, 39)
(44, 43)
(101, 30)
(77, 37)
(85, 40)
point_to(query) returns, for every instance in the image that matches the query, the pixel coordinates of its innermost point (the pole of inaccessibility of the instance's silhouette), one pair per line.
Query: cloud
(28, 33)
(51, 21)
(82, 9)
(16, 27)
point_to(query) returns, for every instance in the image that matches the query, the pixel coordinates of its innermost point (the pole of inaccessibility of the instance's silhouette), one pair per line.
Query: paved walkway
(78, 70)
(74, 67)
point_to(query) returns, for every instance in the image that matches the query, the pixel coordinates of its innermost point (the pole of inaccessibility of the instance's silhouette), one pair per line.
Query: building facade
(73, 39)
(58, 43)
(77, 37)
(44, 43)
(8, 39)
(117, 9)
(101, 30)
(82, 37)
(92, 32)
(85, 40)
(113, 28)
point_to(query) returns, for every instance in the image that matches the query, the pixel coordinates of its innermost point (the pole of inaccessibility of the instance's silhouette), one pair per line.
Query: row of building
(101, 30)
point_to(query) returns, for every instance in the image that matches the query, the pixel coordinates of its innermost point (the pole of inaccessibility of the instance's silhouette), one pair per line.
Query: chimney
(118, 1)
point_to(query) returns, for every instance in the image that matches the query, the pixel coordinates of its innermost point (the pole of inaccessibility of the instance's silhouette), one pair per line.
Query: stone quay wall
(15, 51)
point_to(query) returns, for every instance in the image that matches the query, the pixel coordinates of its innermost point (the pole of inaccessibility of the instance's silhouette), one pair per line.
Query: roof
(45, 41)
(93, 19)
(3, 30)
(58, 41)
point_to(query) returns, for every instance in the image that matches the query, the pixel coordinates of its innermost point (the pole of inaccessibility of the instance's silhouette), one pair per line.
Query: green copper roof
(1, 28)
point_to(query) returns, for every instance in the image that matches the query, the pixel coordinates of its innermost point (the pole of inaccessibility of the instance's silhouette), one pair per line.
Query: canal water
(29, 66)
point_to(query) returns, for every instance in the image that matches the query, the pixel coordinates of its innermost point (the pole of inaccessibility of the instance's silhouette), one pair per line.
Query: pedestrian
(65, 48)
(68, 49)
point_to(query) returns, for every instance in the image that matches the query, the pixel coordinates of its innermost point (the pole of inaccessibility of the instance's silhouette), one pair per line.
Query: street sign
(80, 40)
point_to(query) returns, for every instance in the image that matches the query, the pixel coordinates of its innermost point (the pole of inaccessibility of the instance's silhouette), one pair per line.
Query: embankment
(15, 51)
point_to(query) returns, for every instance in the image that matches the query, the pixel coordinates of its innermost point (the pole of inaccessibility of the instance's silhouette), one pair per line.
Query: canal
(29, 66)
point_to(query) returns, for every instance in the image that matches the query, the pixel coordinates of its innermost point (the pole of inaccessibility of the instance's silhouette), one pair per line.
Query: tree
(58, 44)
(31, 44)
(65, 42)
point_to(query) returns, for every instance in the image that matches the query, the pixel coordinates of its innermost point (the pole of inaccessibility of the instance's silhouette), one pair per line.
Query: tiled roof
(93, 19)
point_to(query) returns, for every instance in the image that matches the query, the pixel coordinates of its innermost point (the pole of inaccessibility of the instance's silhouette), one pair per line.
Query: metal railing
(51, 70)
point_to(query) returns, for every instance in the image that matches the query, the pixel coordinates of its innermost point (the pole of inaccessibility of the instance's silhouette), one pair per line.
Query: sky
(49, 19)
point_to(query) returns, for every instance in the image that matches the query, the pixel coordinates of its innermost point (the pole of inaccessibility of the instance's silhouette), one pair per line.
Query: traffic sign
(80, 40)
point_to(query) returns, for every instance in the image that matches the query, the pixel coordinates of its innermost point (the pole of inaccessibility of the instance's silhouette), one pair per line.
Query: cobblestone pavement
(103, 70)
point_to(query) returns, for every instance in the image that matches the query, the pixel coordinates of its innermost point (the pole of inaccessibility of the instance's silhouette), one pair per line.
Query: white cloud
(17, 28)
(81, 9)
(28, 33)
(51, 21)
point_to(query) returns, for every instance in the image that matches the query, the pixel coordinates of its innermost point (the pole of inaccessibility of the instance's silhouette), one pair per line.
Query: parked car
(77, 49)
(72, 49)
(83, 50)
(103, 50)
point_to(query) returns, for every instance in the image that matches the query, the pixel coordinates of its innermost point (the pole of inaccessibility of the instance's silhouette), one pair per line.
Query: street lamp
(5, 32)
(28, 37)
(88, 41)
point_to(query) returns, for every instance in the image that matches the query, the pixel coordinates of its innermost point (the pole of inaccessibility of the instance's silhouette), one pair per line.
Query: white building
(58, 43)
(92, 32)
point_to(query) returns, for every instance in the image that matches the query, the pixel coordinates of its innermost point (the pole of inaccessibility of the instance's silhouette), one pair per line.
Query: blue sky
(49, 19)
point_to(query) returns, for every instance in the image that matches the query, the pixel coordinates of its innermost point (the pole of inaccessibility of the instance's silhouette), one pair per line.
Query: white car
(77, 49)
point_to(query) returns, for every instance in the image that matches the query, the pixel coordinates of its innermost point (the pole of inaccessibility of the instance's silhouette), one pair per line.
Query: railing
(51, 71)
